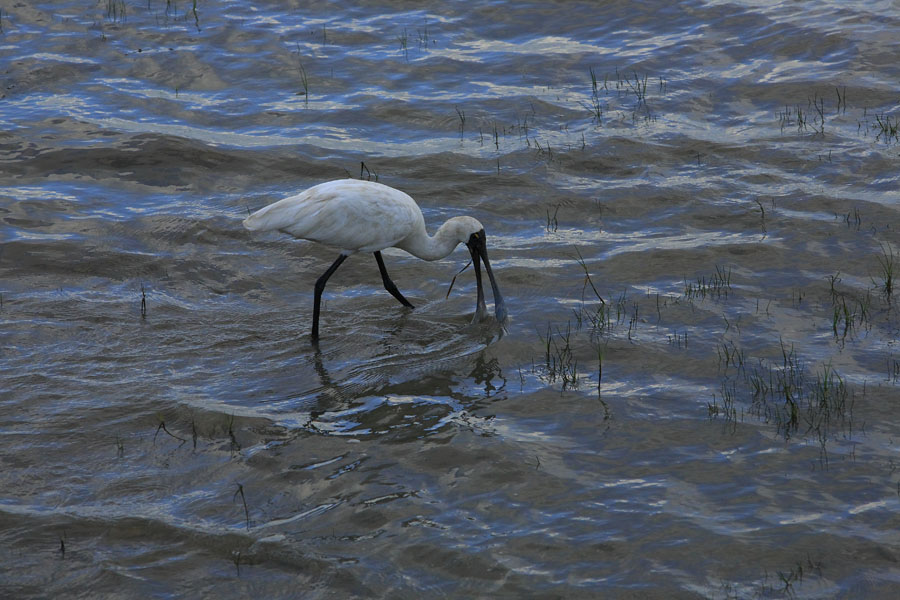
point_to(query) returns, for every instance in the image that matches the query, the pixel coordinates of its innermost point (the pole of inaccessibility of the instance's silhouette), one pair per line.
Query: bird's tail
(249, 223)
(284, 214)
(257, 221)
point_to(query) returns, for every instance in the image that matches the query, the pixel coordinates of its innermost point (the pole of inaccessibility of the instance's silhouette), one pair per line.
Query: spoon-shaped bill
(480, 307)
(499, 304)
(478, 249)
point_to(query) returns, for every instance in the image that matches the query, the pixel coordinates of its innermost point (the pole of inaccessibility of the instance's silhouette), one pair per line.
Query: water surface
(691, 209)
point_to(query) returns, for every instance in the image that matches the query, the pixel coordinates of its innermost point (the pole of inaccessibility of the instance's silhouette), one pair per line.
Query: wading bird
(364, 216)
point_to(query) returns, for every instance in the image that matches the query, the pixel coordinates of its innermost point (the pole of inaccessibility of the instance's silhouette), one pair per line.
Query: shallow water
(722, 424)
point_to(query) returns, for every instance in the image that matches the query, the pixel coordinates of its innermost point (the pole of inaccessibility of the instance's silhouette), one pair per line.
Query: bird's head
(465, 228)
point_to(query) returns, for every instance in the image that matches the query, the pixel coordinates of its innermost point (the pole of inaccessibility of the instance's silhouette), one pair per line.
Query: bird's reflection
(327, 385)
(487, 372)
(466, 377)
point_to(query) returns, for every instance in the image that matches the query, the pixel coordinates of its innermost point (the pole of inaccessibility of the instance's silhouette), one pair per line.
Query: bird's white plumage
(349, 214)
(361, 216)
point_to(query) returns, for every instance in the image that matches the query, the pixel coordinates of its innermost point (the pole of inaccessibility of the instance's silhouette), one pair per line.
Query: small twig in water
(587, 275)
(599, 367)
(194, 431)
(234, 443)
(240, 491)
(162, 425)
(369, 174)
(763, 215)
(236, 558)
(452, 281)
(196, 16)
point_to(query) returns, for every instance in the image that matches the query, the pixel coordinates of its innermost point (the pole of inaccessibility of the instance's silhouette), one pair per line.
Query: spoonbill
(354, 215)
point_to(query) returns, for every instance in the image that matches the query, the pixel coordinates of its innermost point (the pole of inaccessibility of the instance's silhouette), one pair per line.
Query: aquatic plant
(893, 370)
(853, 217)
(560, 363)
(730, 357)
(718, 284)
(595, 108)
(790, 115)
(818, 105)
(403, 38)
(848, 312)
(886, 271)
(633, 84)
(833, 279)
(304, 78)
(888, 127)
(116, 11)
(638, 87)
(600, 315)
(679, 340)
(423, 36)
(462, 120)
(552, 221)
(841, 98)
(543, 150)
(786, 395)
(728, 409)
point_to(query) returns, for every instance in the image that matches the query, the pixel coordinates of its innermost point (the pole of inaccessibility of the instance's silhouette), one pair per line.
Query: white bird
(364, 216)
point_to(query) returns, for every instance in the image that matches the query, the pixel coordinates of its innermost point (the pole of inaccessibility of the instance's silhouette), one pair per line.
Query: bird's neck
(435, 247)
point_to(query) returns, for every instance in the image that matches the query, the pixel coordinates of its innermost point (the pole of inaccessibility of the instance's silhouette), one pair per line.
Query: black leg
(320, 287)
(388, 284)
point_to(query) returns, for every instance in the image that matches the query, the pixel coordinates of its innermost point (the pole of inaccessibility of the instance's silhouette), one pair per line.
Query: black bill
(477, 245)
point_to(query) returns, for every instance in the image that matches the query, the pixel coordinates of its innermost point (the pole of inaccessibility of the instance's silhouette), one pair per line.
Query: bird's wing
(349, 215)
(289, 211)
